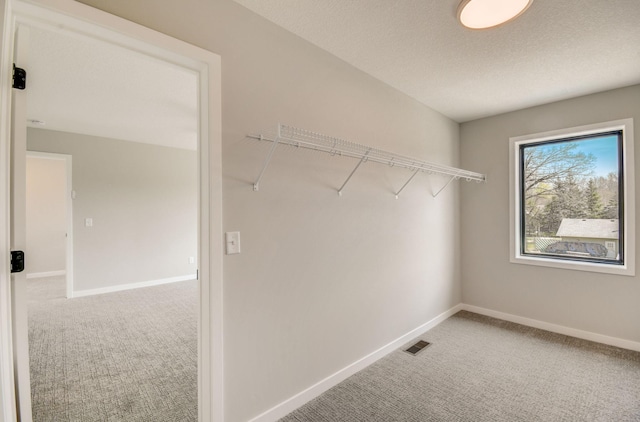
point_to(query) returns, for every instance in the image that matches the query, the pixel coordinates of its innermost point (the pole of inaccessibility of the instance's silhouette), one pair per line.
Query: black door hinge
(17, 261)
(19, 77)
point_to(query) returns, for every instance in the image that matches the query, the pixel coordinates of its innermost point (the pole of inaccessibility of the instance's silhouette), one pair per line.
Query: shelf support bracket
(256, 185)
(408, 181)
(445, 186)
(362, 160)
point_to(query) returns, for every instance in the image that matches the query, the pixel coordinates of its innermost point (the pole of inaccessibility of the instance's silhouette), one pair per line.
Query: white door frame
(18, 234)
(8, 410)
(68, 188)
(69, 15)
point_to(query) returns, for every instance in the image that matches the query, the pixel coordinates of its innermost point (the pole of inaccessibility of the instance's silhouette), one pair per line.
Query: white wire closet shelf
(301, 138)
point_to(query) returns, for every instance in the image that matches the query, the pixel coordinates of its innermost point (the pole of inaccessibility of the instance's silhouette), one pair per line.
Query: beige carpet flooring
(131, 356)
(482, 369)
(124, 356)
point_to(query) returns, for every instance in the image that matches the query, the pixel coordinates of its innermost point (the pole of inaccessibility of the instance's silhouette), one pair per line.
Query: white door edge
(8, 407)
(18, 234)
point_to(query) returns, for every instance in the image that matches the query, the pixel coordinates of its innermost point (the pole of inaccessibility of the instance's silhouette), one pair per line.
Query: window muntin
(571, 201)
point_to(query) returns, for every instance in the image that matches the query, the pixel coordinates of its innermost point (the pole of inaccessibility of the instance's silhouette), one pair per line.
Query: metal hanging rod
(301, 138)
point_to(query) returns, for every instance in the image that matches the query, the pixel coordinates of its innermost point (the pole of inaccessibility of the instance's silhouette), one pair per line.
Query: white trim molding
(555, 328)
(46, 274)
(315, 390)
(130, 286)
(8, 410)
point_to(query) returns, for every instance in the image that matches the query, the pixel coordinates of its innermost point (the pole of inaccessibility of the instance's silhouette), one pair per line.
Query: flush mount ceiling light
(483, 14)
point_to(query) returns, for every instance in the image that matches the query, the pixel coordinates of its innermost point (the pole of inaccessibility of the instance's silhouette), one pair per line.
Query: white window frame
(628, 192)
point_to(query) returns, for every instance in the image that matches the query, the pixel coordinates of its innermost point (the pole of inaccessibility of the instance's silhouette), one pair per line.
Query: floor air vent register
(418, 347)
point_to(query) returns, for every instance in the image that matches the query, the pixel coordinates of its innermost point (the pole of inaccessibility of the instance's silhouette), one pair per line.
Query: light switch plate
(233, 242)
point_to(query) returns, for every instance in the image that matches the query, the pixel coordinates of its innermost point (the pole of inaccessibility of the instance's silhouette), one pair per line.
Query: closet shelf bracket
(445, 186)
(407, 182)
(256, 185)
(362, 160)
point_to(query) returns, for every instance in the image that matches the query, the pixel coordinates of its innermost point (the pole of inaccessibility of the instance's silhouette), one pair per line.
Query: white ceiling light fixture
(483, 14)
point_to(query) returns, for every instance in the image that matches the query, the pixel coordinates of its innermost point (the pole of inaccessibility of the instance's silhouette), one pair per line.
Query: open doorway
(50, 217)
(129, 122)
(70, 16)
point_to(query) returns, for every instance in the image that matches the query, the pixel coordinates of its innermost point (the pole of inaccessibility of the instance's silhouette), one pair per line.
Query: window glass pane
(571, 198)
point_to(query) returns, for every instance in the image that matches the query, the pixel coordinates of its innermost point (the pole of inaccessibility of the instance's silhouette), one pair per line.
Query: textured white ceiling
(557, 49)
(82, 85)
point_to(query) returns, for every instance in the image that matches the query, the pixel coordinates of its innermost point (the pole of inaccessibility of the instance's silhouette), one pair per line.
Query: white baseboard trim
(47, 274)
(554, 328)
(121, 287)
(315, 390)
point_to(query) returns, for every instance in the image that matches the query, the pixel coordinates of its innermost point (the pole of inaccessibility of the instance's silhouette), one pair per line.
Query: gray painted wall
(142, 199)
(322, 280)
(46, 215)
(599, 303)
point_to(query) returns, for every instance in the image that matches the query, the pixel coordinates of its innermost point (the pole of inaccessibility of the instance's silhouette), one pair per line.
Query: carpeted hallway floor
(482, 369)
(125, 356)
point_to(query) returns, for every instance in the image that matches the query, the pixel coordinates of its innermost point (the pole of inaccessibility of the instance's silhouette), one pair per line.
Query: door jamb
(99, 24)
(8, 409)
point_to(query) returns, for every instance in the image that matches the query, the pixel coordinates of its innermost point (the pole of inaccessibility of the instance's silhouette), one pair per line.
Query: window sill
(596, 267)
